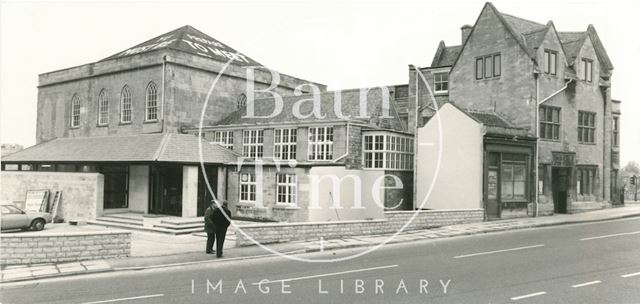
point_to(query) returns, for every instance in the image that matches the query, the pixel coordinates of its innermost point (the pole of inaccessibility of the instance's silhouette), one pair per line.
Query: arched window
(75, 111)
(242, 101)
(151, 105)
(103, 108)
(125, 105)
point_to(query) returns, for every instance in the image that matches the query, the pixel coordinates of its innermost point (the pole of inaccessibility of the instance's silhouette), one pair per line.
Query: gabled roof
(530, 34)
(445, 55)
(189, 40)
(167, 147)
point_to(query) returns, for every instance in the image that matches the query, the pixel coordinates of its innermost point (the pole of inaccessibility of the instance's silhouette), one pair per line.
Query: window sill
(550, 140)
(286, 206)
(102, 126)
(587, 143)
(440, 93)
(124, 123)
(76, 127)
(150, 121)
(488, 79)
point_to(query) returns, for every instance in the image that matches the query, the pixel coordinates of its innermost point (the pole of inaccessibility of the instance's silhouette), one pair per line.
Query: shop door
(560, 188)
(493, 203)
(166, 190)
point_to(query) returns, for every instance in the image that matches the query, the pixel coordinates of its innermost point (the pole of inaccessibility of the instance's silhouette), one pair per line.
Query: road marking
(628, 275)
(126, 299)
(535, 294)
(496, 251)
(585, 284)
(609, 235)
(325, 275)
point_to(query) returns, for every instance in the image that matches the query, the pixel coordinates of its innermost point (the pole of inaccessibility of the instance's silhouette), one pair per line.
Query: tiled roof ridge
(522, 19)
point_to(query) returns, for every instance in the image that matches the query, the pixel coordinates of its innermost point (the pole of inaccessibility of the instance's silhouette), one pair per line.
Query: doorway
(560, 186)
(204, 195)
(166, 190)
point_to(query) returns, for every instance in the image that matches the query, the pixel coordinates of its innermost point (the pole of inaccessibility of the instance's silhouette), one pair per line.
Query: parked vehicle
(13, 217)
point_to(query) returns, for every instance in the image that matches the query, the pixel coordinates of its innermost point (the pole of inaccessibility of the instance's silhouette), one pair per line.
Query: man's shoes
(219, 256)
(211, 252)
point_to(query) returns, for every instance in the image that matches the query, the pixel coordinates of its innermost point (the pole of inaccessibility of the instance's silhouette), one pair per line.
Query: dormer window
(550, 62)
(587, 70)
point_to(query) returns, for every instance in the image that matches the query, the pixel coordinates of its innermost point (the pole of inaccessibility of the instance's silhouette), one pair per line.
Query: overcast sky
(342, 44)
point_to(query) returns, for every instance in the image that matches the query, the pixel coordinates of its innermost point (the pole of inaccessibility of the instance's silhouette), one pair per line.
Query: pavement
(153, 250)
(590, 262)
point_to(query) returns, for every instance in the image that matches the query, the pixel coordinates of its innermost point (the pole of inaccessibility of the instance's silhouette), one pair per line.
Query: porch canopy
(167, 147)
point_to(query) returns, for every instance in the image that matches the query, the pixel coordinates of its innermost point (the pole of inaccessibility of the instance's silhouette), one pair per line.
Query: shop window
(586, 179)
(514, 176)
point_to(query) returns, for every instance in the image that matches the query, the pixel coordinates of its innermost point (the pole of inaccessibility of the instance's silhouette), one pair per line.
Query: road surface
(583, 263)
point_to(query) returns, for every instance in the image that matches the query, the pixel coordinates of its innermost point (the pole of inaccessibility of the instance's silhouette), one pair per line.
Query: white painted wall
(139, 189)
(323, 194)
(189, 191)
(458, 184)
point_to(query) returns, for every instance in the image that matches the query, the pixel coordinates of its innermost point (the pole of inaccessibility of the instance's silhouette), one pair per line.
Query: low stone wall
(34, 248)
(82, 193)
(395, 220)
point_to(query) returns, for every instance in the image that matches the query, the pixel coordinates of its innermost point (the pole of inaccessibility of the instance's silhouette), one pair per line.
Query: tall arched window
(151, 105)
(125, 105)
(75, 111)
(242, 101)
(103, 108)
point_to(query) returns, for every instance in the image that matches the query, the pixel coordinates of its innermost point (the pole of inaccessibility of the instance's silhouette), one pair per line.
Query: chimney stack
(466, 30)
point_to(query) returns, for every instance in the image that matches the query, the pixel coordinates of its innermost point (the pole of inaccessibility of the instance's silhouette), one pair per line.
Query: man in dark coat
(210, 227)
(221, 223)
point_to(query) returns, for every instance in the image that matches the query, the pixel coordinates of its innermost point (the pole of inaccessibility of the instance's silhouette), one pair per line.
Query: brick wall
(23, 248)
(395, 220)
(82, 193)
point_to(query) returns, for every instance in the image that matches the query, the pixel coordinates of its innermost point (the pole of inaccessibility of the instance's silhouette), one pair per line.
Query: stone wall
(82, 193)
(395, 220)
(27, 248)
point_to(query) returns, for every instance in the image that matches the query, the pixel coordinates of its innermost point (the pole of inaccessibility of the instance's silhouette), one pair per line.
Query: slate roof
(168, 147)
(349, 108)
(189, 40)
(529, 35)
(446, 55)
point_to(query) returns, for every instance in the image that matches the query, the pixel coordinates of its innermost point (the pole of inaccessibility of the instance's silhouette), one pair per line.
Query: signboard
(55, 204)
(36, 200)
(563, 159)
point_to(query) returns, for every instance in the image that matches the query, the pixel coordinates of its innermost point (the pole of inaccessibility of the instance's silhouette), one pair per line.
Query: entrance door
(493, 204)
(204, 193)
(166, 190)
(560, 188)
(116, 186)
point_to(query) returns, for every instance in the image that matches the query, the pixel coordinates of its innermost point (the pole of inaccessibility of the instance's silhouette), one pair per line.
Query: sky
(344, 44)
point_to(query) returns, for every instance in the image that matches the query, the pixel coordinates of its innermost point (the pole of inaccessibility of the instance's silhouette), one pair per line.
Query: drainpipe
(415, 147)
(164, 65)
(537, 128)
(347, 147)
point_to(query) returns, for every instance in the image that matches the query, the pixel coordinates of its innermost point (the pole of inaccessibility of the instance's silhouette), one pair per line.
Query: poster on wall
(56, 202)
(36, 200)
